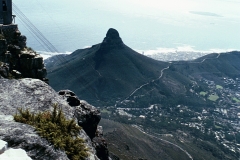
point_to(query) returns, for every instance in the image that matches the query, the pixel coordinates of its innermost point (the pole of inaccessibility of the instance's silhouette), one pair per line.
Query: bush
(62, 133)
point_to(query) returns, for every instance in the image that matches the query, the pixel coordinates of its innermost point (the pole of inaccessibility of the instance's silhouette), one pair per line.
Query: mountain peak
(112, 33)
(112, 40)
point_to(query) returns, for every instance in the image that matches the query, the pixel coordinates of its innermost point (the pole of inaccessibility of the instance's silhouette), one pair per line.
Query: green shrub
(62, 133)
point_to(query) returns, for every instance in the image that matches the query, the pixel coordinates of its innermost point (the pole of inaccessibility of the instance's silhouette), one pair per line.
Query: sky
(143, 24)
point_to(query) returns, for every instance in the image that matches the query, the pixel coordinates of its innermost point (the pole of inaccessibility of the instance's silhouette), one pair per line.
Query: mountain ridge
(110, 72)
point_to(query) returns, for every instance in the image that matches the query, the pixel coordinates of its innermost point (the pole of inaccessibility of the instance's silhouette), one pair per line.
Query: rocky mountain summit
(111, 41)
(37, 96)
(104, 73)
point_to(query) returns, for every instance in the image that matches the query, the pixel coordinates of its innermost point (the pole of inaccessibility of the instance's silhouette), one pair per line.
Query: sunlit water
(153, 27)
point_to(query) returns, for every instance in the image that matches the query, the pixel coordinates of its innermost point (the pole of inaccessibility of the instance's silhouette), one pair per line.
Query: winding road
(162, 71)
(147, 83)
(141, 130)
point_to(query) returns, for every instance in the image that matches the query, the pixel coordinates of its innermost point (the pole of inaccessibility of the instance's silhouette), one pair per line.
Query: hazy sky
(143, 24)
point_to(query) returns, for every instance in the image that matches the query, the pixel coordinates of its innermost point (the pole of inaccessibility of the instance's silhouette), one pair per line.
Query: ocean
(150, 27)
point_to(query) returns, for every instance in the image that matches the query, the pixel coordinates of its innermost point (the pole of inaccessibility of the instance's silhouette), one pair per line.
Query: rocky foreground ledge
(37, 96)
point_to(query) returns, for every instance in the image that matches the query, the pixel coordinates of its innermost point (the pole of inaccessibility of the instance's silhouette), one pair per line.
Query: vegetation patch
(62, 133)
(219, 87)
(236, 100)
(213, 98)
(105, 111)
(203, 93)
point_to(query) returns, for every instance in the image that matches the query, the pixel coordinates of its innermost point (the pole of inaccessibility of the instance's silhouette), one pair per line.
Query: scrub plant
(62, 133)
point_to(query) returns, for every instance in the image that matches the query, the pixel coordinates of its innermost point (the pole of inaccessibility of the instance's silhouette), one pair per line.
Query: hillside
(213, 66)
(129, 143)
(110, 73)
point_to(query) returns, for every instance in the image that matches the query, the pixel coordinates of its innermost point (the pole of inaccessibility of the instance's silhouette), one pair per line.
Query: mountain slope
(106, 71)
(212, 65)
(112, 74)
(128, 143)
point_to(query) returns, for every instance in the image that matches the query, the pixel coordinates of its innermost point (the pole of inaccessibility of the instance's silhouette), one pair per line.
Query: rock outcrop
(37, 96)
(100, 144)
(88, 117)
(111, 41)
(23, 61)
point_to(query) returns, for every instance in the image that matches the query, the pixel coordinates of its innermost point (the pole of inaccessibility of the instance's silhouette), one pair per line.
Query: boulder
(70, 97)
(37, 96)
(88, 116)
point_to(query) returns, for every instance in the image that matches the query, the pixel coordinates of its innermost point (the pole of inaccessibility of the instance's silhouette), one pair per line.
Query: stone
(73, 101)
(4, 70)
(70, 97)
(16, 74)
(37, 96)
(88, 117)
(66, 93)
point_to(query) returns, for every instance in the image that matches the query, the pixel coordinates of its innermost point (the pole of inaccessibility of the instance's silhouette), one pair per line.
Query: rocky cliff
(17, 59)
(37, 96)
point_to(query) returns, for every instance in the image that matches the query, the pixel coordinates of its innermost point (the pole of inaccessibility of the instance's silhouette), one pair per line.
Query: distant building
(6, 16)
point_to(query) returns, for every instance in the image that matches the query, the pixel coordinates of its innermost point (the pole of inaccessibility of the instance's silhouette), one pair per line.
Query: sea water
(150, 27)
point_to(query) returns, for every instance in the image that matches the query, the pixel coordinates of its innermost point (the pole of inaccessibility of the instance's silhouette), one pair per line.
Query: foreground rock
(36, 96)
(88, 117)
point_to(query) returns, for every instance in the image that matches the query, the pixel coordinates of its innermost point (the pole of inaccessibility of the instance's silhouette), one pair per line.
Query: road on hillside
(148, 82)
(162, 71)
(207, 58)
(141, 130)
